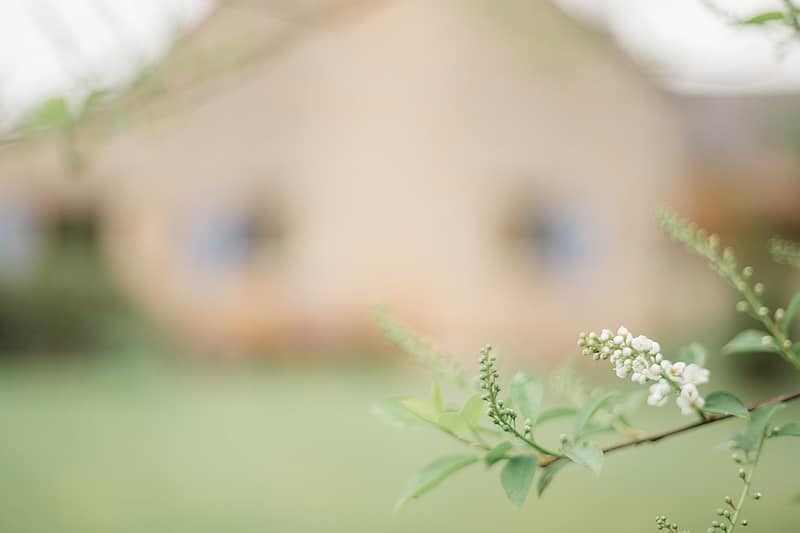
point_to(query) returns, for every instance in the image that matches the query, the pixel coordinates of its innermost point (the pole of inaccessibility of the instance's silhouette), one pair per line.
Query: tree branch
(655, 437)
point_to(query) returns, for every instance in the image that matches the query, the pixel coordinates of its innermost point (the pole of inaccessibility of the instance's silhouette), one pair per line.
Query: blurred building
(487, 171)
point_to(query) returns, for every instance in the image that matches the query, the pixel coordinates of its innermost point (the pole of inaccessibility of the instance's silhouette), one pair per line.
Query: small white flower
(640, 369)
(642, 344)
(640, 365)
(659, 393)
(689, 399)
(654, 372)
(695, 375)
(605, 335)
(627, 352)
(673, 371)
(655, 348)
(622, 372)
(622, 331)
(618, 340)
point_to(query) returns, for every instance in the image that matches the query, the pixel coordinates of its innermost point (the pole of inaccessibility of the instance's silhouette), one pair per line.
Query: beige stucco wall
(398, 152)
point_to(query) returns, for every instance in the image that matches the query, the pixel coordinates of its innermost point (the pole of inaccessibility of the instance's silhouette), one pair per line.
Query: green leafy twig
(655, 437)
(420, 348)
(725, 263)
(505, 417)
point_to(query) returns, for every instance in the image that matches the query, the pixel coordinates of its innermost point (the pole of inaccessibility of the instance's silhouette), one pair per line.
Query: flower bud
(729, 501)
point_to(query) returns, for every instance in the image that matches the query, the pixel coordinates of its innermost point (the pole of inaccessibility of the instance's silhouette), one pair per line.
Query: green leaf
(629, 402)
(759, 419)
(693, 353)
(392, 413)
(763, 18)
(588, 411)
(750, 341)
(472, 410)
(53, 113)
(436, 397)
(498, 453)
(547, 475)
(451, 421)
(792, 429)
(586, 454)
(724, 403)
(433, 474)
(422, 408)
(555, 412)
(526, 393)
(468, 417)
(790, 313)
(517, 478)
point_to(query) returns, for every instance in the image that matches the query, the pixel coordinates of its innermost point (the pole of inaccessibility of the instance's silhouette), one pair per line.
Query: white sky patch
(69, 48)
(692, 49)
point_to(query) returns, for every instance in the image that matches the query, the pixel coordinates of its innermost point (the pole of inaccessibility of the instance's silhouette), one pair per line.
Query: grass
(119, 446)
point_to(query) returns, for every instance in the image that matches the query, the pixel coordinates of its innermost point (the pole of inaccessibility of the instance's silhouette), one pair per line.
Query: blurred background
(202, 204)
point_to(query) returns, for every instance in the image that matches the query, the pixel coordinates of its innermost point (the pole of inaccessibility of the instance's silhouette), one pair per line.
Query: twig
(655, 437)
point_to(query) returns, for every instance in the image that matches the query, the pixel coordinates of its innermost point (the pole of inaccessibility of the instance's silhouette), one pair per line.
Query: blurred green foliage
(69, 302)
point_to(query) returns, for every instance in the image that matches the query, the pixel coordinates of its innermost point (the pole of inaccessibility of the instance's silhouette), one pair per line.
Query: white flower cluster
(640, 359)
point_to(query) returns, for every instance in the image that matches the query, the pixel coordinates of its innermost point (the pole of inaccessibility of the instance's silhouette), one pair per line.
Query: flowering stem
(504, 417)
(509, 427)
(698, 241)
(748, 481)
(655, 437)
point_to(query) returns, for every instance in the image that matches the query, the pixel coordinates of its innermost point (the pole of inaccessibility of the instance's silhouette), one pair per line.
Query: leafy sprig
(514, 443)
(502, 416)
(776, 337)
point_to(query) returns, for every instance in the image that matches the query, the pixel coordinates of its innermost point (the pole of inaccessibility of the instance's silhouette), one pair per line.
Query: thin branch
(791, 14)
(655, 437)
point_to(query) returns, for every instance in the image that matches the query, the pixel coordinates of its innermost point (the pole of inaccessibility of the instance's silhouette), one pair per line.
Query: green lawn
(127, 446)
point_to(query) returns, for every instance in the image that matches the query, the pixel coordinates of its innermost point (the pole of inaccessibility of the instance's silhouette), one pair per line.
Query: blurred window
(558, 240)
(20, 238)
(227, 237)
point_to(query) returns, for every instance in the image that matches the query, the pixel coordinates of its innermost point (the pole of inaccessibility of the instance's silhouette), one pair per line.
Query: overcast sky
(693, 49)
(57, 47)
(50, 47)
